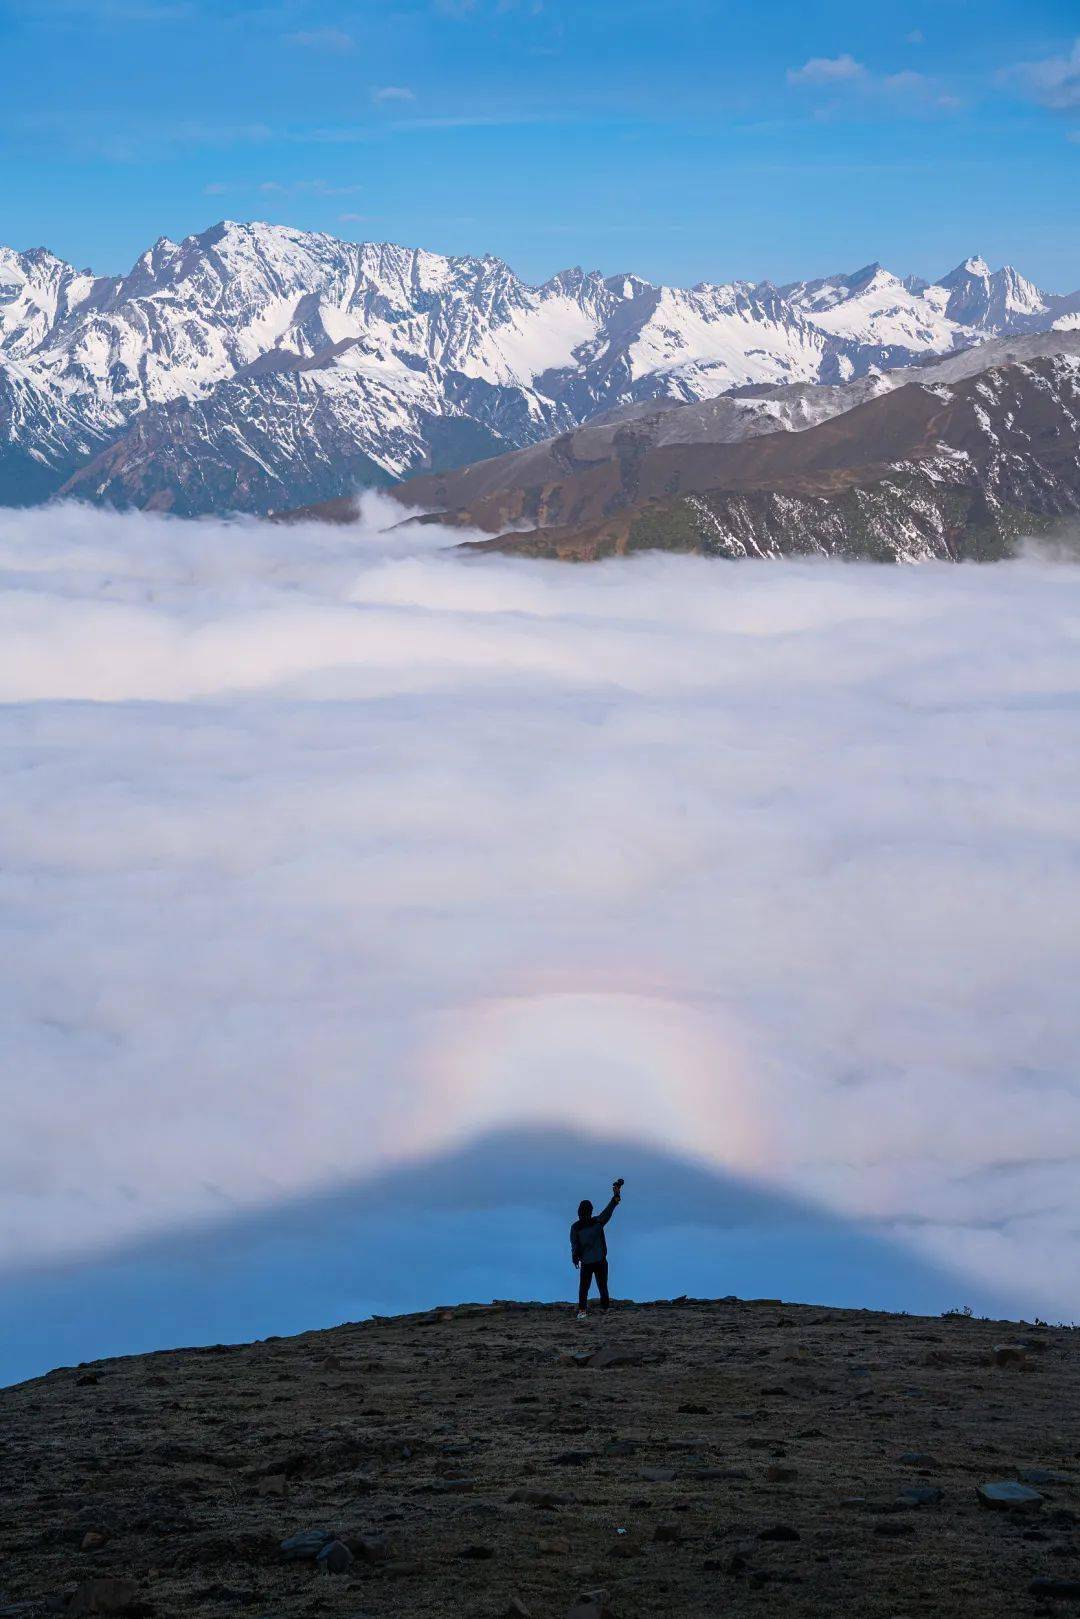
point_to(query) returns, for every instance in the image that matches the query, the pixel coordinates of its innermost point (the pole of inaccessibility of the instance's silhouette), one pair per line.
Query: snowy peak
(974, 268)
(289, 355)
(992, 300)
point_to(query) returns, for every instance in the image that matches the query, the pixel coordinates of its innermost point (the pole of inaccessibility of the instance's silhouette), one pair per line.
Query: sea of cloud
(322, 848)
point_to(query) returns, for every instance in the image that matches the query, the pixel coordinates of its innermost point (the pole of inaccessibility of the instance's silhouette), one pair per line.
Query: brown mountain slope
(532, 484)
(714, 1458)
(953, 471)
(938, 468)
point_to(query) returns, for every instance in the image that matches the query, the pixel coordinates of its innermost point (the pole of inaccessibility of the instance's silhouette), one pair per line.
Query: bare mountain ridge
(252, 367)
(683, 1458)
(989, 448)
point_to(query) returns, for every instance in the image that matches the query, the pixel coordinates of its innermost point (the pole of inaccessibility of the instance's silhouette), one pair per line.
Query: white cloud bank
(320, 848)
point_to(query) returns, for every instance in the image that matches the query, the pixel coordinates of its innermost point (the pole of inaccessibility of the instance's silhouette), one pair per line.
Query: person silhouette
(588, 1249)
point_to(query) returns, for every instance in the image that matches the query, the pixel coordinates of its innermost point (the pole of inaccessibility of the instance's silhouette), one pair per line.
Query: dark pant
(599, 1270)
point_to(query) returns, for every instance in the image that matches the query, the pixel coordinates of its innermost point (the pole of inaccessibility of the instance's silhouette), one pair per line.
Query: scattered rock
(1006, 1495)
(921, 1495)
(779, 1531)
(1043, 1475)
(516, 1609)
(573, 1458)
(477, 1553)
(920, 1458)
(1059, 1590)
(94, 1539)
(657, 1475)
(305, 1545)
(1009, 1355)
(893, 1530)
(608, 1356)
(272, 1484)
(781, 1473)
(668, 1534)
(335, 1557)
(622, 1447)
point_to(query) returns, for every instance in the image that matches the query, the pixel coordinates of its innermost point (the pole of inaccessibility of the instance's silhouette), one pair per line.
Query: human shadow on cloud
(488, 1219)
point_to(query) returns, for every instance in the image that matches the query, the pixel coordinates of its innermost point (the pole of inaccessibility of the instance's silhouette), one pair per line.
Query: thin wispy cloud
(1052, 81)
(827, 70)
(392, 92)
(903, 93)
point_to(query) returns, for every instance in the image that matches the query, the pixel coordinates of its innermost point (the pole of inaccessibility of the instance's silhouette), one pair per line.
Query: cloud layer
(322, 848)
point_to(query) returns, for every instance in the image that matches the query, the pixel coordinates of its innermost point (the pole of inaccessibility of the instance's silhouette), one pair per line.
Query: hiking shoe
(582, 1315)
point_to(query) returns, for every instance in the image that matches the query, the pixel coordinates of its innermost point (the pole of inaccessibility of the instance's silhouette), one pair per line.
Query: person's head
(584, 1210)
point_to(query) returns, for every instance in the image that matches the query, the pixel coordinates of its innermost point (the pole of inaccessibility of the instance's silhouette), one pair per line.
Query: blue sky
(697, 139)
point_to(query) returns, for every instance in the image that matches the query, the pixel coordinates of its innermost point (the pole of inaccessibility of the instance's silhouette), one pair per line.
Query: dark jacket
(587, 1240)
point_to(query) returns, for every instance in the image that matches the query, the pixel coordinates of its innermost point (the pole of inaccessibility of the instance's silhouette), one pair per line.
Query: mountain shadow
(488, 1219)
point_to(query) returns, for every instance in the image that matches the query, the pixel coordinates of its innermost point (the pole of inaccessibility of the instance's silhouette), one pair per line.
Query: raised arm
(605, 1214)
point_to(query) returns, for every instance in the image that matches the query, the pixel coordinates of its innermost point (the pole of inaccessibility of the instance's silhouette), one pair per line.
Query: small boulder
(657, 1475)
(477, 1553)
(781, 1473)
(335, 1557)
(668, 1534)
(305, 1545)
(921, 1495)
(1009, 1355)
(779, 1531)
(271, 1484)
(1006, 1495)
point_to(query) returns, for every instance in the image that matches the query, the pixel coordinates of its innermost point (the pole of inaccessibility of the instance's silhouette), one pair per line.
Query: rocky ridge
(943, 462)
(686, 1457)
(254, 367)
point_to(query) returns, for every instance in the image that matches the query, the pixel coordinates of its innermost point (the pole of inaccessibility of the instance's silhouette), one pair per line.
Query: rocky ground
(685, 1458)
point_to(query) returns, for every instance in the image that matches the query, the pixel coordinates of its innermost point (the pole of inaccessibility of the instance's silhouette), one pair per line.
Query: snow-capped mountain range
(255, 366)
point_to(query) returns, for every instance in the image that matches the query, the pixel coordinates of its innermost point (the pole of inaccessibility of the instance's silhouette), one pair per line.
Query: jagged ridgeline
(954, 460)
(255, 367)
